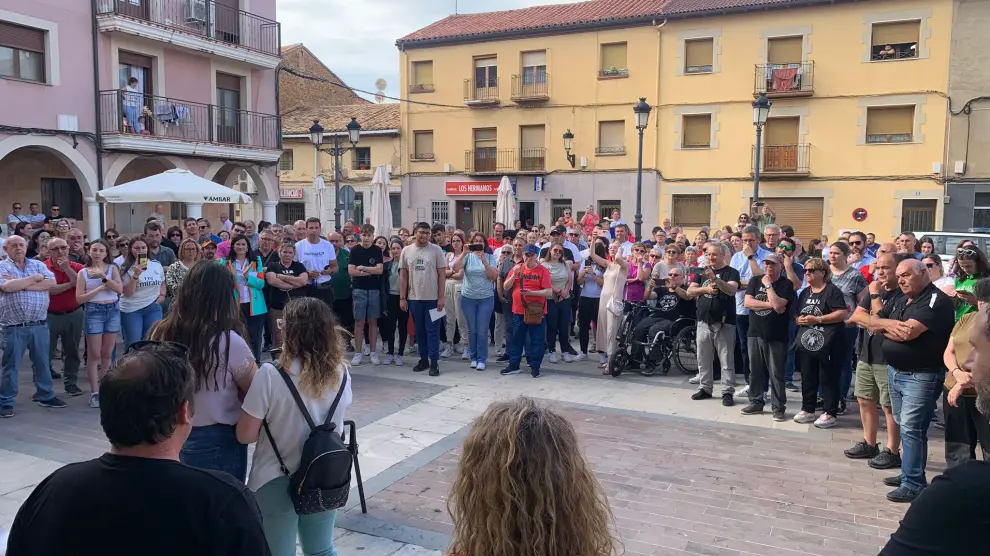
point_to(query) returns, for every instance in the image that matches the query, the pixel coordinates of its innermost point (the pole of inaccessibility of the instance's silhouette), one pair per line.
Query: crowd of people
(854, 321)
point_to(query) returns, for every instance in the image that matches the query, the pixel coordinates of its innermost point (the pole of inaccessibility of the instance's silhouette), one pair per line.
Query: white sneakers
(447, 351)
(480, 367)
(474, 365)
(553, 356)
(367, 350)
(695, 379)
(94, 400)
(742, 392)
(398, 360)
(465, 354)
(804, 417)
(374, 358)
(388, 360)
(581, 357)
(568, 358)
(356, 360)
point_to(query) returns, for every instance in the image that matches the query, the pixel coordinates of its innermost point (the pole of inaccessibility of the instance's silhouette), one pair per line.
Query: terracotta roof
(297, 94)
(537, 19)
(372, 117)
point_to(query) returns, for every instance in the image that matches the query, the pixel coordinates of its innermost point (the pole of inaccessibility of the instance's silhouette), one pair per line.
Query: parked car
(945, 243)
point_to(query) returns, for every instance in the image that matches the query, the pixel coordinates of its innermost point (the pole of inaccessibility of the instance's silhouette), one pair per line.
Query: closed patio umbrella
(505, 203)
(381, 208)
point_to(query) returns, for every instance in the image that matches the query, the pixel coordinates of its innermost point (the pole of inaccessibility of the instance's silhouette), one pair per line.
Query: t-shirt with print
(422, 265)
(277, 298)
(530, 279)
(671, 306)
(717, 307)
(870, 344)
(148, 287)
(932, 308)
(818, 339)
(316, 256)
(768, 324)
(368, 257)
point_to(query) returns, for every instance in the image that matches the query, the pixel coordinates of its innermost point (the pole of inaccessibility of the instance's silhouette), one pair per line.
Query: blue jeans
(215, 447)
(535, 346)
(847, 354)
(427, 330)
(559, 325)
(15, 342)
(792, 359)
(282, 524)
(912, 401)
(478, 313)
(136, 325)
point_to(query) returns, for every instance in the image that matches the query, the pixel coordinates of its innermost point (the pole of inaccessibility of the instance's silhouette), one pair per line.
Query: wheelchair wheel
(685, 350)
(617, 362)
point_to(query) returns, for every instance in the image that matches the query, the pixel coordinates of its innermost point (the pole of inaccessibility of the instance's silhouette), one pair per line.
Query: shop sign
(294, 193)
(472, 187)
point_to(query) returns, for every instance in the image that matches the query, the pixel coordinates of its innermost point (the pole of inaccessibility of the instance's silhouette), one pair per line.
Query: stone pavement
(683, 477)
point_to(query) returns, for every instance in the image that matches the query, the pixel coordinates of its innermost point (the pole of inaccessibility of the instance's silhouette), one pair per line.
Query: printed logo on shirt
(707, 284)
(813, 338)
(420, 264)
(667, 302)
(761, 295)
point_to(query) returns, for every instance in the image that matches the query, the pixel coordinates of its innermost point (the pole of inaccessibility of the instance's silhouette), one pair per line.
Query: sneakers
(447, 351)
(367, 350)
(602, 358)
(778, 414)
(388, 360)
(56, 375)
(481, 366)
(553, 356)
(804, 417)
(892, 481)
(535, 373)
(510, 370)
(6, 412)
(791, 387)
(434, 369)
(842, 407)
(885, 460)
(473, 365)
(752, 409)
(421, 366)
(902, 494)
(502, 358)
(701, 395)
(581, 357)
(826, 421)
(465, 355)
(862, 450)
(94, 400)
(742, 392)
(727, 400)
(72, 390)
(53, 403)
(374, 358)
(356, 360)
(398, 361)
(695, 379)
(568, 358)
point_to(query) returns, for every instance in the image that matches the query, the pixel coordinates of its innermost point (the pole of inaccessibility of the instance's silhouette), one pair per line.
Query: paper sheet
(437, 315)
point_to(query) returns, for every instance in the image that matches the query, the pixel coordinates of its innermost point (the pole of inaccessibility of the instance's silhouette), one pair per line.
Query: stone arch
(118, 166)
(267, 191)
(74, 160)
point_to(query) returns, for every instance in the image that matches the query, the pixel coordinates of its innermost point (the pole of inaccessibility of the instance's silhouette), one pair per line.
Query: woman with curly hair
(523, 488)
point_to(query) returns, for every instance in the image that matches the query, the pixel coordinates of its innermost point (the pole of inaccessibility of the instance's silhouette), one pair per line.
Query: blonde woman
(98, 289)
(312, 357)
(176, 272)
(611, 306)
(452, 299)
(523, 488)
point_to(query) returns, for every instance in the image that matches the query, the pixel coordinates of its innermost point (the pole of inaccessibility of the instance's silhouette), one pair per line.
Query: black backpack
(323, 479)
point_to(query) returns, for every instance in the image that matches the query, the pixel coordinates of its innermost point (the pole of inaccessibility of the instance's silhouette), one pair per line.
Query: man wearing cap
(571, 252)
(768, 298)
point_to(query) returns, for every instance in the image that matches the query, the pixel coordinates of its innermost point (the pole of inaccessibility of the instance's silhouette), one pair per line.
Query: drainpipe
(96, 111)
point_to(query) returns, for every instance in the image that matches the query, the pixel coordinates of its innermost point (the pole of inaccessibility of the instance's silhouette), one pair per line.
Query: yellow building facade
(856, 128)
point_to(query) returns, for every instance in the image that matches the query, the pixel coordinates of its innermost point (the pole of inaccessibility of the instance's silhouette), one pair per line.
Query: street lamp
(761, 109)
(316, 132)
(568, 143)
(642, 111)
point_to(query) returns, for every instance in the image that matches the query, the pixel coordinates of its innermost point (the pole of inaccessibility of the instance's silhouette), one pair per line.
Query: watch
(104, 280)
(875, 296)
(750, 257)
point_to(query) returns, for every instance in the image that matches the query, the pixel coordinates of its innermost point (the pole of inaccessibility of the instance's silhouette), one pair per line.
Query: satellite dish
(380, 84)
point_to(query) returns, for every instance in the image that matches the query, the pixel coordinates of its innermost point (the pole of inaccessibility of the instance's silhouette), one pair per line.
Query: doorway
(228, 108)
(475, 215)
(528, 212)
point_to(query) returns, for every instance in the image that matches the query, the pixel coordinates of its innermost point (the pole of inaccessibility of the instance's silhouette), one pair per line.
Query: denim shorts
(102, 318)
(367, 304)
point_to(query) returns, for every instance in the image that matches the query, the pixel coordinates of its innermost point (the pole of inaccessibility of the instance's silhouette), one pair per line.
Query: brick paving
(692, 487)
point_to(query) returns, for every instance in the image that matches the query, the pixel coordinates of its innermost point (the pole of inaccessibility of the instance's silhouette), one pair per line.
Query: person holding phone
(763, 215)
(477, 296)
(144, 291)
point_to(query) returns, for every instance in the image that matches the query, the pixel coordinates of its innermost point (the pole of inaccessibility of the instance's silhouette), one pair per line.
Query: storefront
(474, 204)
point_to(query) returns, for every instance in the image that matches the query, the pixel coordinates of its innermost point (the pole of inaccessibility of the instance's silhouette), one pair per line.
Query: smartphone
(476, 247)
(142, 260)
(758, 204)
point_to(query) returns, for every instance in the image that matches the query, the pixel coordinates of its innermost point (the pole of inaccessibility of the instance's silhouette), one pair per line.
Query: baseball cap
(531, 249)
(558, 230)
(773, 258)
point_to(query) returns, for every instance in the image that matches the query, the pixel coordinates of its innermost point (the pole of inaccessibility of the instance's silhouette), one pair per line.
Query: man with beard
(952, 516)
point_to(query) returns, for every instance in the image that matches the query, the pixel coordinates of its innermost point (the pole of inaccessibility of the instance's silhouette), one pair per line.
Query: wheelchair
(677, 347)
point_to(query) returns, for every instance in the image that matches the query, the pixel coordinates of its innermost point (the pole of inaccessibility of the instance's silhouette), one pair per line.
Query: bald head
(912, 277)
(886, 248)
(886, 270)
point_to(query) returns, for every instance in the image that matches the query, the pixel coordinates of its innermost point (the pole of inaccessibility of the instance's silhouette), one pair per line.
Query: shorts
(102, 318)
(367, 304)
(871, 383)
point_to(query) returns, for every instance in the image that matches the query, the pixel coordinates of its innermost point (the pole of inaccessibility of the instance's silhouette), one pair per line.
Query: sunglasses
(930, 265)
(784, 246)
(654, 255)
(173, 346)
(111, 238)
(806, 269)
(965, 251)
(855, 243)
(203, 227)
(17, 208)
(123, 244)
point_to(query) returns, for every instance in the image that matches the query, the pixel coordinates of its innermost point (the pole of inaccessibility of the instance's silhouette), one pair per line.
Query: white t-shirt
(316, 256)
(269, 398)
(149, 287)
(222, 406)
(119, 261)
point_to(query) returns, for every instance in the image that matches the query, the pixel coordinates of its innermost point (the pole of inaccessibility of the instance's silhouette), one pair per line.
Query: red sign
(285, 193)
(472, 187)
(859, 214)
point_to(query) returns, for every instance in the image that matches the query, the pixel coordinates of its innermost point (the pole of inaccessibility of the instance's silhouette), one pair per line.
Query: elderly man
(65, 317)
(158, 214)
(251, 232)
(747, 262)
(299, 230)
(716, 310)
(916, 326)
(77, 245)
(768, 296)
(771, 233)
(24, 287)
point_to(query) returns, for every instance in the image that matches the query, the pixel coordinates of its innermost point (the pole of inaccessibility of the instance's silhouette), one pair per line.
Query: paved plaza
(683, 477)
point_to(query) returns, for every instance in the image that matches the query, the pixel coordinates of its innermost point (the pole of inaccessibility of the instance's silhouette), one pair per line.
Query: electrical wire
(294, 72)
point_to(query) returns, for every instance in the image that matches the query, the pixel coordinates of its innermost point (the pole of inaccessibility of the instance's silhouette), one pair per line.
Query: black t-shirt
(361, 256)
(568, 255)
(671, 306)
(277, 298)
(118, 505)
(767, 323)
(952, 515)
(718, 307)
(870, 344)
(931, 308)
(819, 339)
(265, 261)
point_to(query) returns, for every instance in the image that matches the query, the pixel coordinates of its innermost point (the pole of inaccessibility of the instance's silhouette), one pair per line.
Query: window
(22, 52)
(534, 67)
(178, 211)
(422, 77)
(699, 55)
(287, 213)
(423, 145)
(485, 151)
(691, 210)
(784, 51)
(611, 138)
(613, 60)
(981, 211)
(486, 72)
(440, 212)
(697, 131)
(557, 208)
(395, 202)
(893, 124)
(532, 151)
(605, 208)
(897, 40)
(918, 215)
(361, 158)
(62, 192)
(285, 161)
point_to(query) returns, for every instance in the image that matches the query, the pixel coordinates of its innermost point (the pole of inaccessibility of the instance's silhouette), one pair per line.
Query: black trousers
(824, 372)
(965, 427)
(645, 331)
(587, 314)
(394, 318)
(344, 309)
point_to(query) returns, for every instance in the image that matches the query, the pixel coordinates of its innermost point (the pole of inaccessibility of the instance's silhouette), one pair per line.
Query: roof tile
(372, 117)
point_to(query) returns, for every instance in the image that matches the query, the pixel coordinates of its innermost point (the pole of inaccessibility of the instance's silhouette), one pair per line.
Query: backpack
(323, 479)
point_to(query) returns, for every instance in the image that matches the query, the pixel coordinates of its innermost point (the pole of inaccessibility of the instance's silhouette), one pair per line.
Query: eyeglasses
(202, 227)
(142, 344)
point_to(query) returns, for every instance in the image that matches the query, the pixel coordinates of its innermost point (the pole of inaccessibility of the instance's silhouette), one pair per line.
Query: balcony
(484, 95)
(785, 160)
(531, 88)
(199, 25)
(784, 80)
(171, 126)
(490, 160)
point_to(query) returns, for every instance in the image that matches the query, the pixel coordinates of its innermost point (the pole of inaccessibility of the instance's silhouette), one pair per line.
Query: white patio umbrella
(505, 203)
(177, 186)
(381, 208)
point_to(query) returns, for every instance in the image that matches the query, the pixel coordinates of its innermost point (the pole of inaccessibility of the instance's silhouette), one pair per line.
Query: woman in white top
(313, 351)
(205, 318)
(934, 265)
(98, 290)
(452, 299)
(144, 291)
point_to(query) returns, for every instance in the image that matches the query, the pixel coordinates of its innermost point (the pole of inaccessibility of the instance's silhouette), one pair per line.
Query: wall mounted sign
(860, 214)
(296, 193)
(471, 187)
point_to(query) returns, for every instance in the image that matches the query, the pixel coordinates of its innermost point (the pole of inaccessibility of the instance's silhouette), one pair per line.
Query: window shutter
(612, 134)
(532, 137)
(896, 120)
(786, 50)
(422, 73)
(691, 210)
(485, 138)
(22, 38)
(697, 130)
(781, 131)
(802, 214)
(424, 143)
(699, 52)
(614, 56)
(533, 59)
(485, 62)
(901, 32)
(228, 82)
(136, 60)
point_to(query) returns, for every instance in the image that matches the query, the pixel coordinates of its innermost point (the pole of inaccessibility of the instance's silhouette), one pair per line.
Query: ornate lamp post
(642, 112)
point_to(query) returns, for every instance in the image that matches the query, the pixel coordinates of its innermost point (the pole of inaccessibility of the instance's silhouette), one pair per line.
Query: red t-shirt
(495, 244)
(65, 301)
(531, 279)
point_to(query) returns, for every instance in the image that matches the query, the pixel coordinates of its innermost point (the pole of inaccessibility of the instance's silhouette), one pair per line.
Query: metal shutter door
(802, 214)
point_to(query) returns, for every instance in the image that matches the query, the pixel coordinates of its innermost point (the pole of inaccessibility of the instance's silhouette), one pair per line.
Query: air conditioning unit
(448, 168)
(245, 184)
(196, 11)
